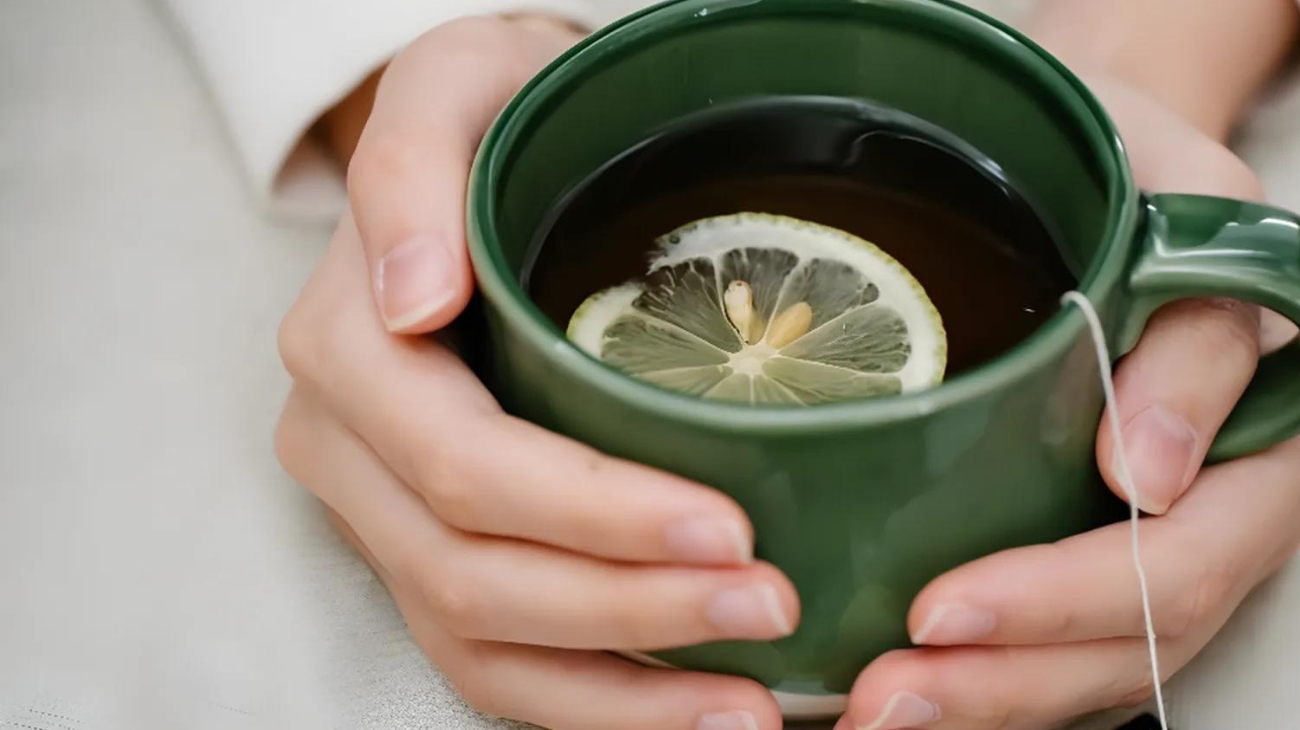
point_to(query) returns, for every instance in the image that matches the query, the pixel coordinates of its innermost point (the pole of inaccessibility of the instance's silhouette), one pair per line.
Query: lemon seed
(739, 299)
(790, 325)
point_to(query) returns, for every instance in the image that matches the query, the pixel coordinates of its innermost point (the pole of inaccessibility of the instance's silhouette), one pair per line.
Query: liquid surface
(984, 257)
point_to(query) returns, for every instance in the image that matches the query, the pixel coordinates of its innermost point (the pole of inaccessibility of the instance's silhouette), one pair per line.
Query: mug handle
(1206, 246)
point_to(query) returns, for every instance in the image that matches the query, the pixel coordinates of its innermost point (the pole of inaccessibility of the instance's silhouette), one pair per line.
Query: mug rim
(1054, 337)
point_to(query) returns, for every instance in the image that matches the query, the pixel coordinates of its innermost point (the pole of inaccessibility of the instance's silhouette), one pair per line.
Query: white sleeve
(274, 66)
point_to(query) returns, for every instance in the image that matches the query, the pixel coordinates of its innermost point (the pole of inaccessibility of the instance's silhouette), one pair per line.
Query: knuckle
(1195, 605)
(293, 342)
(1002, 708)
(381, 158)
(465, 483)
(1064, 623)
(1137, 691)
(1243, 316)
(289, 447)
(594, 465)
(470, 32)
(480, 695)
(471, 678)
(308, 338)
(464, 40)
(640, 630)
(476, 31)
(449, 489)
(1232, 329)
(453, 598)
(1202, 594)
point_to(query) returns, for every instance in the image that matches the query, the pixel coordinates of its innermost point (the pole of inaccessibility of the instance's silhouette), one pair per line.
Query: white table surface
(157, 570)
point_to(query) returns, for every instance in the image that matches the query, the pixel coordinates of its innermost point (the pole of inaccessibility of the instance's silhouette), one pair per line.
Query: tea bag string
(1126, 481)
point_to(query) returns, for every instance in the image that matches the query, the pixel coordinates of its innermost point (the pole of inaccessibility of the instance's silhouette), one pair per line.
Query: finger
(354, 540)
(1178, 393)
(573, 690)
(565, 689)
(430, 420)
(506, 590)
(1175, 390)
(585, 691)
(583, 501)
(1234, 528)
(1018, 688)
(1275, 332)
(407, 177)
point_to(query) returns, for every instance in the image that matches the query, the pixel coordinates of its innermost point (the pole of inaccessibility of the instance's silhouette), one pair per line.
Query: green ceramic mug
(863, 503)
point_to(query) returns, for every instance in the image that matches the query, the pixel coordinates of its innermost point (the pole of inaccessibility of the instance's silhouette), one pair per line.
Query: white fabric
(275, 65)
(157, 570)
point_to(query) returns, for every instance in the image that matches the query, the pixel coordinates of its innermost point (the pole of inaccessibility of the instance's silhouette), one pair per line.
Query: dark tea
(986, 259)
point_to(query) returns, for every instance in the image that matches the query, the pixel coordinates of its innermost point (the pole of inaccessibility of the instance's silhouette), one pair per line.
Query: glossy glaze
(1207, 246)
(862, 504)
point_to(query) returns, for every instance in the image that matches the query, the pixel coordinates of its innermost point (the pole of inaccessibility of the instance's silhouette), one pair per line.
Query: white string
(1126, 480)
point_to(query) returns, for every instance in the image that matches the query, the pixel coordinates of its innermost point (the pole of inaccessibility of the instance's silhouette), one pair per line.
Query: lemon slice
(764, 309)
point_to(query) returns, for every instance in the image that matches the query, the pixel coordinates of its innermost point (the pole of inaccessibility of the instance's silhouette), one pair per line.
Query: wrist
(1203, 59)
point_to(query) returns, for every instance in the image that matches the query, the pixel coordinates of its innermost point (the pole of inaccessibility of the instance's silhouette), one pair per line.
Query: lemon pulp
(765, 309)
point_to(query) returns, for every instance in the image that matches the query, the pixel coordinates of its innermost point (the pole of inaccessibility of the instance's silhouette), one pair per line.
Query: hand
(1030, 638)
(514, 554)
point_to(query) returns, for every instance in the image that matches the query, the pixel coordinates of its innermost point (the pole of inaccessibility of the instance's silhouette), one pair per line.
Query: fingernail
(1161, 449)
(413, 281)
(727, 721)
(904, 710)
(954, 624)
(752, 612)
(710, 541)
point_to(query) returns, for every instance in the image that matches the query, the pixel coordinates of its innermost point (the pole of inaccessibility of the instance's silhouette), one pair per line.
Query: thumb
(1196, 357)
(407, 179)
(1175, 390)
